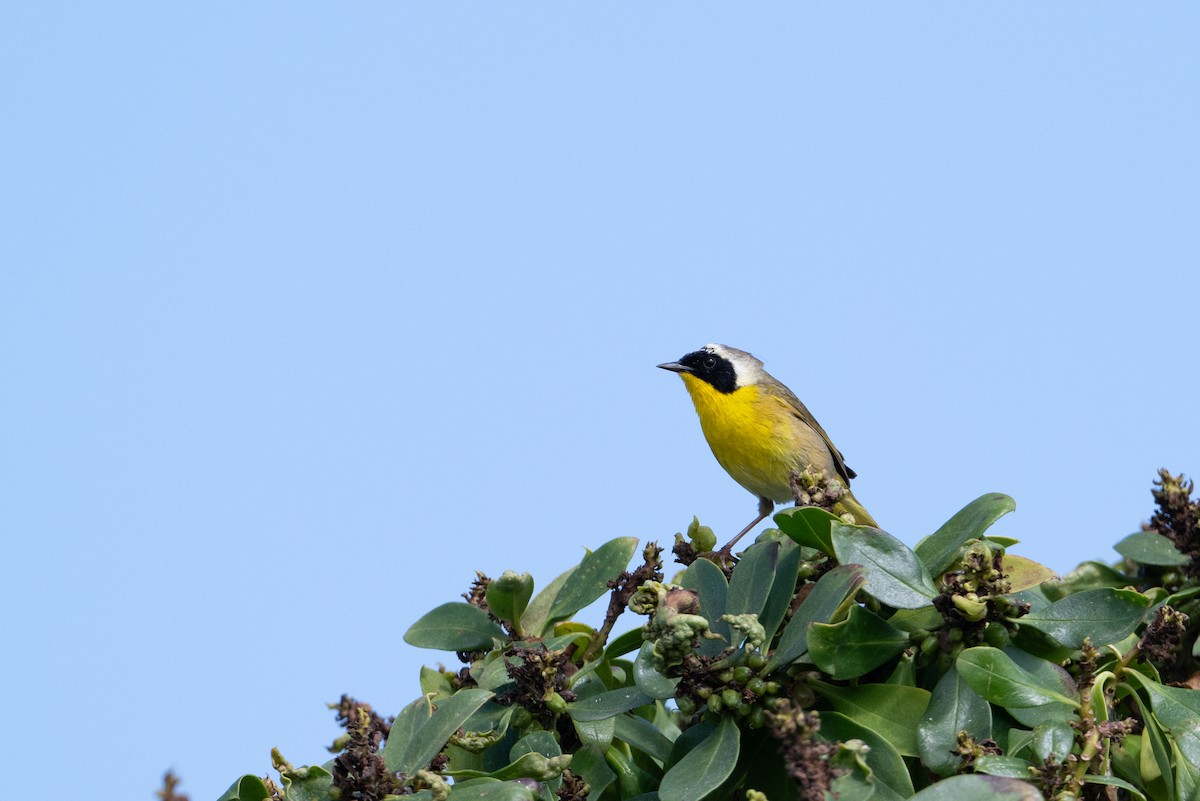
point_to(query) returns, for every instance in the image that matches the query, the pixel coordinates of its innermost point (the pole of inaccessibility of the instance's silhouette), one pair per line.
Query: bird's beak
(676, 367)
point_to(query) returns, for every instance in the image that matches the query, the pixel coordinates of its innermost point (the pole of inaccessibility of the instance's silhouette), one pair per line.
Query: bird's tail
(848, 503)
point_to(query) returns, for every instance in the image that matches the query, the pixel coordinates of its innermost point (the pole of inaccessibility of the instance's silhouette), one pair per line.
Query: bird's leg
(765, 507)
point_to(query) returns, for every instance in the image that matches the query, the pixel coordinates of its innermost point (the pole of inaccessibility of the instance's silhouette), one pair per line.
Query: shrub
(830, 660)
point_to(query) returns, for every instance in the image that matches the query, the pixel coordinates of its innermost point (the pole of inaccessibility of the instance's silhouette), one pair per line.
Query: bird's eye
(710, 362)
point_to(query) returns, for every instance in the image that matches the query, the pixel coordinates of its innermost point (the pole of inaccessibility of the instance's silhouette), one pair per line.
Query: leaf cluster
(833, 661)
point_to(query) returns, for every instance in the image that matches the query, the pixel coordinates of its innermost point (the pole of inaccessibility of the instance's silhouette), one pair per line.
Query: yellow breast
(756, 438)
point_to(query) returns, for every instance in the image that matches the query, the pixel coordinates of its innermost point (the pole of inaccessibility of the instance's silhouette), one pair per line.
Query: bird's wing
(797, 407)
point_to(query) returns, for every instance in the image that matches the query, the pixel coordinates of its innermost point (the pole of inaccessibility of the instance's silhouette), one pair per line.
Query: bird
(760, 432)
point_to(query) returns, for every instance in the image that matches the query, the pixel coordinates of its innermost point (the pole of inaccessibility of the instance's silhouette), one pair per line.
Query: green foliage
(939, 550)
(454, 627)
(1102, 615)
(895, 574)
(705, 766)
(830, 661)
(855, 646)
(421, 730)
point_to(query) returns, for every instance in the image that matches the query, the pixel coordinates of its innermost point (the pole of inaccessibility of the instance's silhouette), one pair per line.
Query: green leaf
(644, 736)
(623, 644)
(1012, 767)
(954, 707)
(1150, 548)
(1047, 674)
(1053, 739)
(535, 620)
(889, 709)
(883, 758)
(491, 790)
(491, 719)
(1102, 615)
(508, 596)
(428, 731)
(1125, 759)
(939, 550)
(991, 673)
(1113, 781)
(855, 778)
(808, 526)
(905, 671)
(1187, 778)
(590, 680)
(1088, 576)
(532, 765)
(408, 722)
(979, 787)
(633, 780)
(246, 788)
(751, 581)
(536, 742)
(608, 704)
(576, 638)
(1019, 741)
(855, 786)
(434, 682)
(688, 740)
(1003, 542)
(491, 673)
(709, 582)
(598, 733)
(823, 600)
(761, 767)
(783, 590)
(310, 783)
(705, 767)
(894, 573)
(1156, 758)
(529, 765)
(1102, 689)
(1187, 737)
(590, 579)
(1175, 707)
(1186, 749)
(910, 620)
(647, 678)
(1176, 599)
(854, 646)
(1023, 573)
(1040, 644)
(665, 720)
(454, 626)
(589, 764)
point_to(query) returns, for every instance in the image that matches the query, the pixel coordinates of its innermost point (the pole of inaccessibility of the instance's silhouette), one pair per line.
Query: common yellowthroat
(759, 430)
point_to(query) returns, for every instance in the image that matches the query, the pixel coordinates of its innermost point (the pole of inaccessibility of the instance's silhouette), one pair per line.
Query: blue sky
(308, 311)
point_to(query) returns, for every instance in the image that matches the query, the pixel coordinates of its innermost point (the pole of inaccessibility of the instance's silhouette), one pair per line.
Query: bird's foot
(723, 559)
